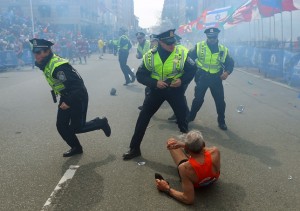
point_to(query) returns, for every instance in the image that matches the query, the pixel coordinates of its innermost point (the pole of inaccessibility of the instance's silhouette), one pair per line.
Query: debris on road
(240, 109)
(113, 92)
(141, 163)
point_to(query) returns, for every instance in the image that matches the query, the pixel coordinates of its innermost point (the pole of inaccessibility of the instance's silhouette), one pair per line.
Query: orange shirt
(204, 171)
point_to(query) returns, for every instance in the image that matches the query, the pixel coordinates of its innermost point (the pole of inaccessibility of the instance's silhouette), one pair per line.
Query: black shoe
(73, 151)
(106, 128)
(132, 153)
(133, 79)
(172, 118)
(222, 126)
(140, 107)
(126, 83)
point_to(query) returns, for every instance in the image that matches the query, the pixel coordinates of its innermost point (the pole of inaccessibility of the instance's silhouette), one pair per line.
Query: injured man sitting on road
(198, 166)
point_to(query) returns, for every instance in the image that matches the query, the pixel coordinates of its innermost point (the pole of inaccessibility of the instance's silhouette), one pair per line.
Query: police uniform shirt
(143, 75)
(75, 89)
(214, 48)
(123, 41)
(74, 86)
(137, 50)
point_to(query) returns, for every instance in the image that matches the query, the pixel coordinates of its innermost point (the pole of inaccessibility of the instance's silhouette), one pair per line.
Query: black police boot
(132, 153)
(172, 118)
(222, 126)
(103, 124)
(73, 151)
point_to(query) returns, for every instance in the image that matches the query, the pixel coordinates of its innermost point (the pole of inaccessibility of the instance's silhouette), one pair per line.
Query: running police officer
(123, 49)
(166, 70)
(214, 65)
(66, 82)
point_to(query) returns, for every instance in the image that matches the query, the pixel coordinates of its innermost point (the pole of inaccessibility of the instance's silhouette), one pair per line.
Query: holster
(53, 96)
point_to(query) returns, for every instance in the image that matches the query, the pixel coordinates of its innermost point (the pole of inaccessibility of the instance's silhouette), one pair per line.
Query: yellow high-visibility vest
(55, 84)
(210, 62)
(172, 68)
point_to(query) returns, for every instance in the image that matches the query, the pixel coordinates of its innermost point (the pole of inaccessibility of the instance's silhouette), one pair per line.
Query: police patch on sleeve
(189, 60)
(61, 76)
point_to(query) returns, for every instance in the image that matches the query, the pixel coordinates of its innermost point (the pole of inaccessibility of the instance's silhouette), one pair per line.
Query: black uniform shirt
(228, 64)
(74, 86)
(143, 75)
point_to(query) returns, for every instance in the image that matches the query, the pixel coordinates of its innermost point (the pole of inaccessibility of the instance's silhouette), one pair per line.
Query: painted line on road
(269, 80)
(66, 177)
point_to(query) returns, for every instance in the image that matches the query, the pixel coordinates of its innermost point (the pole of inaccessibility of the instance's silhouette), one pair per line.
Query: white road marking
(269, 80)
(67, 176)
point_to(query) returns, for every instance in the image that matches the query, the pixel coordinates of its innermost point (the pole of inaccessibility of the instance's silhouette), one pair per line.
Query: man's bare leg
(178, 155)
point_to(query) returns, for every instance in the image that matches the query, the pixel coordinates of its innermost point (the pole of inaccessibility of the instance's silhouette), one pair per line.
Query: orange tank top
(204, 171)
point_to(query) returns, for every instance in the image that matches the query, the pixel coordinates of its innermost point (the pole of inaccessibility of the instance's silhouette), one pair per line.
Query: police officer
(153, 41)
(166, 70)
(214, 65)
(123, 49)
(143, 45)
(66, 82)
(173, 117)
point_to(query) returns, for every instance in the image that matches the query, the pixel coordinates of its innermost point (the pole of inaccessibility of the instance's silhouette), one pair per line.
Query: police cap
(140, 34)
(212, 32)
(167, 37)
(123, 29)
(178, 38)
(153, 37)
(40, 44)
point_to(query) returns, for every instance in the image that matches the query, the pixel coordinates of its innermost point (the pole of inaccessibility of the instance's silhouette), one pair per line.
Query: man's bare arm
(188, 193)
(187, 196)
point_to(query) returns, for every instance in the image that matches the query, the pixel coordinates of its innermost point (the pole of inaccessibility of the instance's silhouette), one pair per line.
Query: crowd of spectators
(16, 30)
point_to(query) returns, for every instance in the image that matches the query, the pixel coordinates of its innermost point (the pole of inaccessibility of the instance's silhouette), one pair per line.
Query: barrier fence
(276, 63)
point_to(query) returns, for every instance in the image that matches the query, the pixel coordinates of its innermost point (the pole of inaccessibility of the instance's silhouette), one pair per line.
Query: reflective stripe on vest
(55, 84)
(145, 49)
(125, 47)
(172, 68)
(210, 62)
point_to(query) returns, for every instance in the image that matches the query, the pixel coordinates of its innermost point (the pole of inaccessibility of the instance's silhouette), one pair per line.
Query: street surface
(259, 153)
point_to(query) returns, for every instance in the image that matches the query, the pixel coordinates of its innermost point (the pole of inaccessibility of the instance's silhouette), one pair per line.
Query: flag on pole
(245, 13)
(213, 18)
(268, 8)
(290, 5)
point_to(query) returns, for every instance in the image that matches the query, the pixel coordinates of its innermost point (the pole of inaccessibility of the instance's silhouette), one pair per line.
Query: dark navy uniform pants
(123, 56)
(73, 121)
(214, 83)
(175, 97)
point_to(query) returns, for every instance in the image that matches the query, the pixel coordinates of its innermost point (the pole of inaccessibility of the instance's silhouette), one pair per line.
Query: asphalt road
(259, 153)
